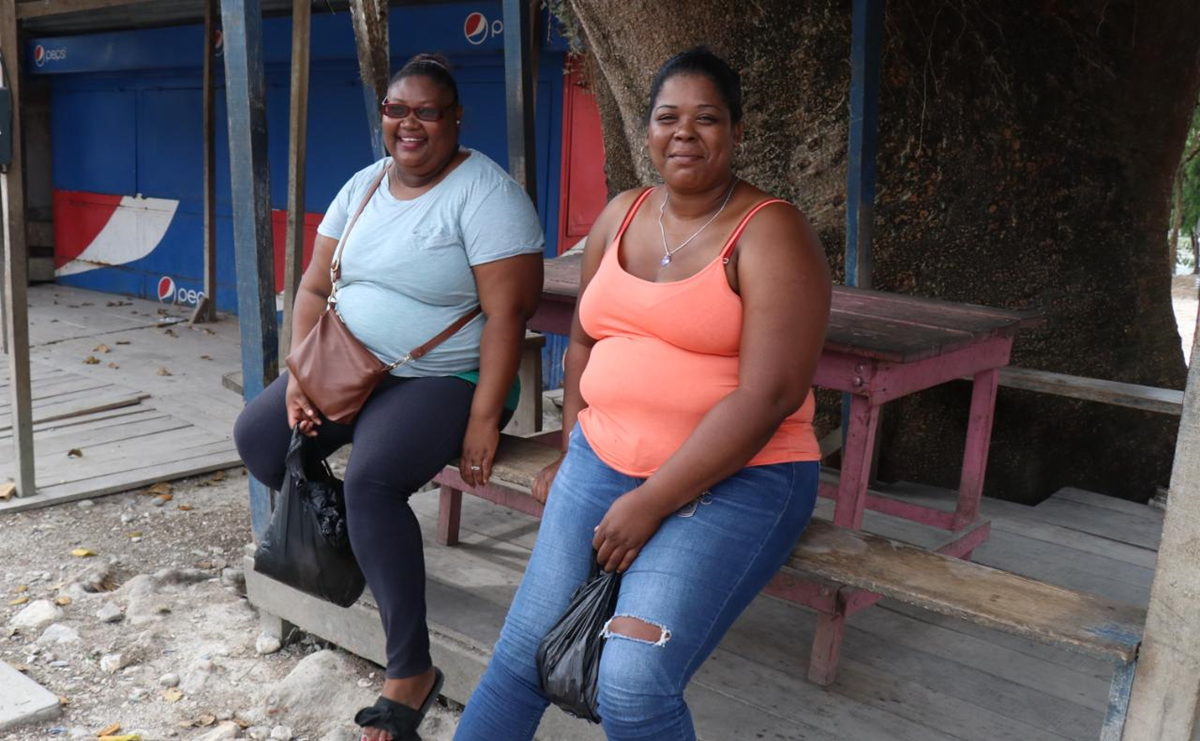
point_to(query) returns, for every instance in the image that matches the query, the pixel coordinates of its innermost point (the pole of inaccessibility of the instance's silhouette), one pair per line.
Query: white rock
(223, 731)
(258, 732)
(113, 663)
(58, 633)
(109, 613)
(265, 644)
(281, 733)
(36, 614)
(196, 677)
(169, 680)
(126, 518)
(225, 714)
(86, 504)
(323, 680)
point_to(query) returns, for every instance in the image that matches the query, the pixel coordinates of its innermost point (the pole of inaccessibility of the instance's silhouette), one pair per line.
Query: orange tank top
(665, 354)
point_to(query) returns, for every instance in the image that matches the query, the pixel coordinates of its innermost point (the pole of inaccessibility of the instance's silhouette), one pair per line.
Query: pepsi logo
(166, 288)
(475, 28)
(41, 55)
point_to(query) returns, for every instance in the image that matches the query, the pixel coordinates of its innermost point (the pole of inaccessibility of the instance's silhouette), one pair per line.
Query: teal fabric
(514, 391)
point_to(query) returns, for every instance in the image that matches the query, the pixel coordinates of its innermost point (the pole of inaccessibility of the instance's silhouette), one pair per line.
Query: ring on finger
(476, 468)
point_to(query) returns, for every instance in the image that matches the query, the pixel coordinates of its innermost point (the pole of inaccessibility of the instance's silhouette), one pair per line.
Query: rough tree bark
(1026, 161)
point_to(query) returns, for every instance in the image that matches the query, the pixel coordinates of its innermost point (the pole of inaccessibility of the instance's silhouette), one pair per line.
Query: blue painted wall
(126, 119)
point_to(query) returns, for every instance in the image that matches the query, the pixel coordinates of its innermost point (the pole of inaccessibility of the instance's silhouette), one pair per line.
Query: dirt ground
(179, 659)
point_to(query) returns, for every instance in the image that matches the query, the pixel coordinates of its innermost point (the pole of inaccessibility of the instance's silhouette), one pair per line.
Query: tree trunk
(1176, 219)
(1196, 248)
(1026, 159)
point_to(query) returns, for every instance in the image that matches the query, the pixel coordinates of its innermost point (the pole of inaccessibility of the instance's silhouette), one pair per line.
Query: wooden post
(1166, 687)
(519, 91)
(207, 311)
(245, 95)
(370, 19)
(293, 255)
(16, 262)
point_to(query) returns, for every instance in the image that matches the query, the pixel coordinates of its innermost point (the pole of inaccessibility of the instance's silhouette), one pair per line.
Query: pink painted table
(880, 347)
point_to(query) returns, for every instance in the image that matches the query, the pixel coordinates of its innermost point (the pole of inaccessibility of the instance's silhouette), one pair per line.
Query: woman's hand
(300, 411)
(544, 479)
(478, 450)
(629, 523)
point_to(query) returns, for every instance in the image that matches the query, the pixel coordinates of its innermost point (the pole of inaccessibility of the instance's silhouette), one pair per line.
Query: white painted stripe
(137, 226)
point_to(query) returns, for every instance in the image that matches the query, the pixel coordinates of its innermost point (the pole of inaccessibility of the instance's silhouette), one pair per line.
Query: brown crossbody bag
(334, 370)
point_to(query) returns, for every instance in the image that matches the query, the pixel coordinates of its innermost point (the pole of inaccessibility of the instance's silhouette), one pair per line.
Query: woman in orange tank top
(690, 463)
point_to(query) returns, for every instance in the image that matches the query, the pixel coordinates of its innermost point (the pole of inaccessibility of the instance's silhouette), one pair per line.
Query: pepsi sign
(169, 293)
(477, 29)
(43, 54)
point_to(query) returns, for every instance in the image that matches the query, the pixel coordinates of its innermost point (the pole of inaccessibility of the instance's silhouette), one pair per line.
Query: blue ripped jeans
(692, 580)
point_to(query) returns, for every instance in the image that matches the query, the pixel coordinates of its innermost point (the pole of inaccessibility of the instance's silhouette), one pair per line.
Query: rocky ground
(131, 608)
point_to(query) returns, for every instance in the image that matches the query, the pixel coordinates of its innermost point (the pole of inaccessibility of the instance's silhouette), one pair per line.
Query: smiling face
(418, 147)
(691, 136)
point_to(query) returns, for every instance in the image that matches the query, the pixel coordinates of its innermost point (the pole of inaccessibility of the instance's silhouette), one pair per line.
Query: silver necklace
(669, 252)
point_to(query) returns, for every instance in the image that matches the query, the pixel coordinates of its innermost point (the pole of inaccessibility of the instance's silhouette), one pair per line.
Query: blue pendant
(665, 261)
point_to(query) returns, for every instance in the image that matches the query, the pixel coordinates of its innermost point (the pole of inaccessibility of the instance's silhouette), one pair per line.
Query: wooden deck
(147, 409)
(905, 673)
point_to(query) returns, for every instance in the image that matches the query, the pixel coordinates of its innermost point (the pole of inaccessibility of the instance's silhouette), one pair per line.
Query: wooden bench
(1135, 396)
(849, 566)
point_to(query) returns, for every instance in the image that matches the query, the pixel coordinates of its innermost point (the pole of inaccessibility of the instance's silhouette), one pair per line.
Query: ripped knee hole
(636, 629)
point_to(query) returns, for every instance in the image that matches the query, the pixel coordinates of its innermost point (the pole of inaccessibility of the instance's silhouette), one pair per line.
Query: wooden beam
(40, 8)
(519, 85)
(370, 20)
(293, 255)
(1166, 687)
(207, 311)
(16, 263)
(245, 93)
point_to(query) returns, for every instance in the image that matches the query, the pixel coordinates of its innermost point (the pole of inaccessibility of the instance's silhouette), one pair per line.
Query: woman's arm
(314, 291)
(784, 283)
(508, 293)
(579, 347)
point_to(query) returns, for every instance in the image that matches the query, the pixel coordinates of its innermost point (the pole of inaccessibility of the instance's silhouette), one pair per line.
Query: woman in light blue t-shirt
(446, 230)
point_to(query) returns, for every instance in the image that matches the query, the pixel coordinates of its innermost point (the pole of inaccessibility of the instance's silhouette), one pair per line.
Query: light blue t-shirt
(406, 266)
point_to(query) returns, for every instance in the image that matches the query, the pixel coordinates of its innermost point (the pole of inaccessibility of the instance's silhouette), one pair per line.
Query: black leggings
(408, 430)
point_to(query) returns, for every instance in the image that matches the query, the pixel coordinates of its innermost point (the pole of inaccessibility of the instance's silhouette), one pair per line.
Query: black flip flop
(400, 720)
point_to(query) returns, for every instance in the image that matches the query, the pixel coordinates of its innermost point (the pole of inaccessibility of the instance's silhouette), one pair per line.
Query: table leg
(856, 463)
(979, 439)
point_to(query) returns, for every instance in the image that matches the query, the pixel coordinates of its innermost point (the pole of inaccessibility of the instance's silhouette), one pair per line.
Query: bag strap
(420, 350)
(335, 266)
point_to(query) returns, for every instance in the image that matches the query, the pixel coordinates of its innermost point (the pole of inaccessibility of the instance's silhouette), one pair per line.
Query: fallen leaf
(21, 588)
(83, 553)
(62, 600)
(113, 365)
(184, 507)
(204, 564)
(123, 342)
(7, 489)
(74, 453)
(91, 360)
(135, 534)
(101, 348)
(206, 719)
(126, 737)
(170, 333)
(63, 700)
(19, 601)
(164, 372)
(218, 476)
(162, 487)
(21, 667)
(166, 497)
(111, 730)
(173, 694)
(206, 357)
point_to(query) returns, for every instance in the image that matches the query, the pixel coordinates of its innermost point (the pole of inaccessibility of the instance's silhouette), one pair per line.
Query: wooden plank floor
(906, 674)
(141, 414)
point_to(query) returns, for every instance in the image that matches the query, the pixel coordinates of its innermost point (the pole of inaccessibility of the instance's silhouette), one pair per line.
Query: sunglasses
(424, 113)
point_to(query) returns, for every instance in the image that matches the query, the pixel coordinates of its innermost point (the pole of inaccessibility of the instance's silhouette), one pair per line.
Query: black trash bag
(568, 658)
(306, 546)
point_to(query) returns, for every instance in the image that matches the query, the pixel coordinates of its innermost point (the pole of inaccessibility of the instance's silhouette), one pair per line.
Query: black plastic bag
(568, 658)
(306, 546)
